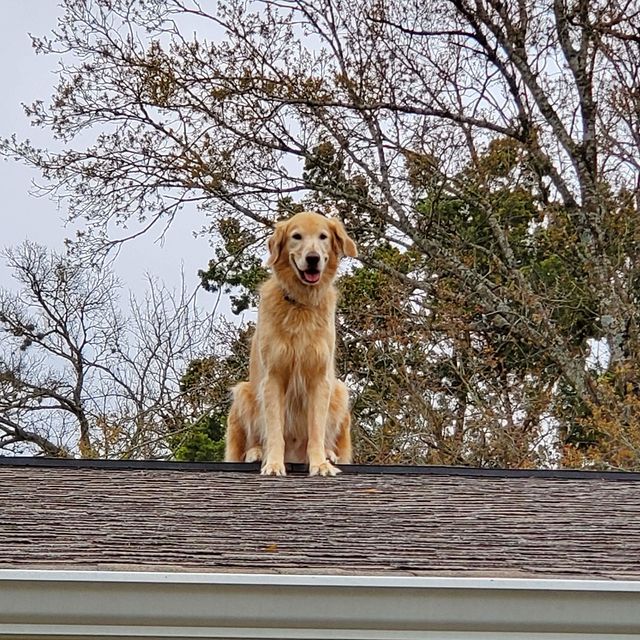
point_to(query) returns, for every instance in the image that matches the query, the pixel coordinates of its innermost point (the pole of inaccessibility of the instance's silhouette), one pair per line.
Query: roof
(386, 521)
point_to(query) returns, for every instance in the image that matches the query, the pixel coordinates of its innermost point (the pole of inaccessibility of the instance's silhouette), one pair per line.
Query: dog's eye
(323, 236)
(296, 236)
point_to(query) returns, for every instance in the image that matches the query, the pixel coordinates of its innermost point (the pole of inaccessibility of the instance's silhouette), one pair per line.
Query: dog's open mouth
(311, 276)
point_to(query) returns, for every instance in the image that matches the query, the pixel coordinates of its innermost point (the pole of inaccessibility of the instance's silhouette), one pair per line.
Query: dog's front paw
(323, 469)
(273, 469)
(253, 455)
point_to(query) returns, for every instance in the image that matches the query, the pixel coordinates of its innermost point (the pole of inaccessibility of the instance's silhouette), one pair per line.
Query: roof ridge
(352, 469)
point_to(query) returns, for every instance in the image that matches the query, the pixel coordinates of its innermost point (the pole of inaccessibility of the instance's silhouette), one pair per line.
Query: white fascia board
(113, 604)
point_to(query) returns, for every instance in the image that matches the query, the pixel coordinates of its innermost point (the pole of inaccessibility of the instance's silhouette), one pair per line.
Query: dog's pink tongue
(311, 277)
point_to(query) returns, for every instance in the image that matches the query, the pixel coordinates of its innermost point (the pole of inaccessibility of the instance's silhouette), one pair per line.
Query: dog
(292, 408)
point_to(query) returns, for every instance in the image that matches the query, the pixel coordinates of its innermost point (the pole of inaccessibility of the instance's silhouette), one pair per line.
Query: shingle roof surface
(156, 519)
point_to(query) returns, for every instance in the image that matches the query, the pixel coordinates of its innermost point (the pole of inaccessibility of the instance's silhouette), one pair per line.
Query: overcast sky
(24, 78)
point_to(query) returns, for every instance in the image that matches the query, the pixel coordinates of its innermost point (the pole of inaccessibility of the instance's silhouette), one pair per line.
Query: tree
(496, 143)
(206, 386)
(78, 376)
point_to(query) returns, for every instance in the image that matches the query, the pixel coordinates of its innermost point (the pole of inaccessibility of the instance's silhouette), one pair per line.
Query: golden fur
(293, 408)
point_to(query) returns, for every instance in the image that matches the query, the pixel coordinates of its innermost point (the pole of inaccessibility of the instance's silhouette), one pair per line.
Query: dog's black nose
(312, 260)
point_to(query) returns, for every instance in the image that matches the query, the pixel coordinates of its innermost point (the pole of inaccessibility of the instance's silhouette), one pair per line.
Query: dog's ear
(276, 242)
(346, 246)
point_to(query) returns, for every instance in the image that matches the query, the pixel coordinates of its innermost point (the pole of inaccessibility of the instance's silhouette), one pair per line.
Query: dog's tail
(341, 446)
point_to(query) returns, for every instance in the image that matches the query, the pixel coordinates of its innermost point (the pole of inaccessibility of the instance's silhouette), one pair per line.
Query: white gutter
(112, 604)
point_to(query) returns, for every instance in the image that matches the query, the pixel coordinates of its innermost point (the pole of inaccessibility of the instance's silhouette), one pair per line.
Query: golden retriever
(293, 408)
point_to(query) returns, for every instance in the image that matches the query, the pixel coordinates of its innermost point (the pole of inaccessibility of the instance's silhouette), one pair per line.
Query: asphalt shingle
(374, 523)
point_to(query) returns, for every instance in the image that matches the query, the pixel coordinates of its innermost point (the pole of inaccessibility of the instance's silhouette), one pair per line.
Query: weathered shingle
(436, 524)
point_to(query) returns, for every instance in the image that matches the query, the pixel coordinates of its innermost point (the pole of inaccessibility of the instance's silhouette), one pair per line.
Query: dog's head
(311, 245)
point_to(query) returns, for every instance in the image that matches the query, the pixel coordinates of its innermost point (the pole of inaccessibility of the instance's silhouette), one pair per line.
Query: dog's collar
(289, 299)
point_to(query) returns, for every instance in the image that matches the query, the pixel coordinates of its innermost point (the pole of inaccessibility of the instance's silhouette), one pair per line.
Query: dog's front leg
(318, 412)
(273, 415)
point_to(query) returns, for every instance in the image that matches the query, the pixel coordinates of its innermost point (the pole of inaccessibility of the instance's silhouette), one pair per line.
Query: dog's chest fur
(301, 340)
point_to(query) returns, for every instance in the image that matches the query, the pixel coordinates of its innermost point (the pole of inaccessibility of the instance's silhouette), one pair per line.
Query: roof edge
(82, 605)
(297, 469)
(317, 580)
